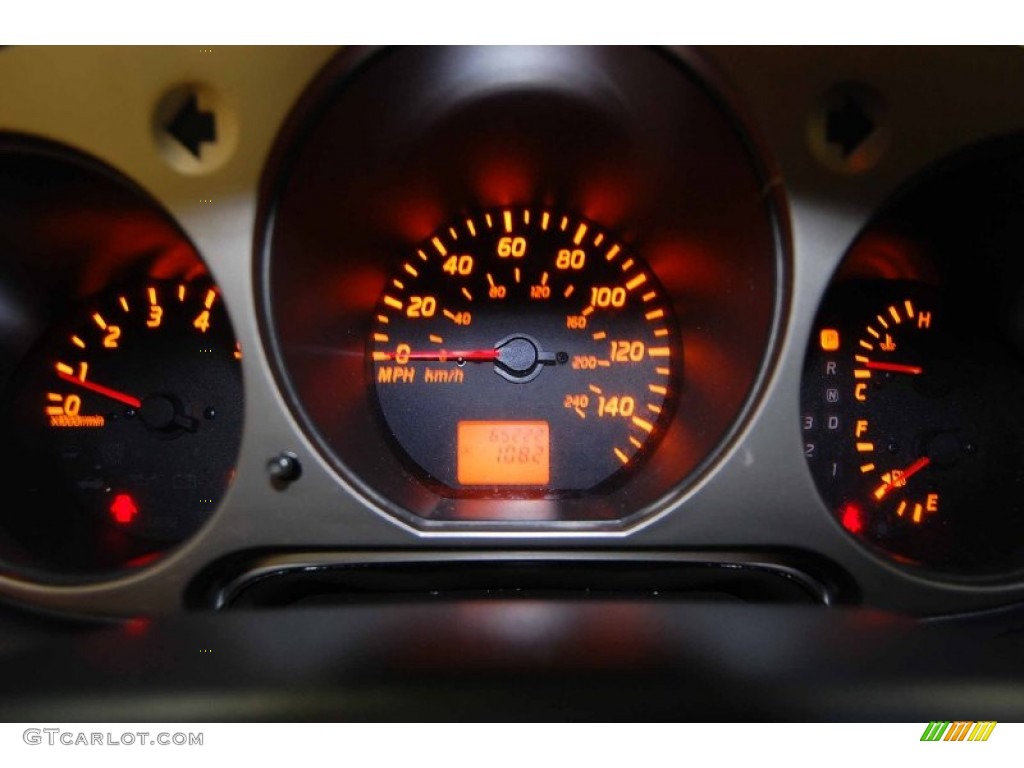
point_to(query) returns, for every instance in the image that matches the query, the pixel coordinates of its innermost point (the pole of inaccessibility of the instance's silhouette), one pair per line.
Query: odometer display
(513, 318)
(504, 453)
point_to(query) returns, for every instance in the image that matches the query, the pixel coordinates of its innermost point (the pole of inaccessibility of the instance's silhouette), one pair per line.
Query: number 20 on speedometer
(524, 350)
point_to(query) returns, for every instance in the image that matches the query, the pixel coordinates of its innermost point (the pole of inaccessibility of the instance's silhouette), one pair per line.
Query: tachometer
(124, 425)
(524, 348)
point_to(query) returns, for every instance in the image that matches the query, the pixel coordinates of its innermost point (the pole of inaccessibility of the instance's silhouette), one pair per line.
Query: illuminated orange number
(202, 322)
(574, 259)
(512, 246)
(72, 405)
(497, 292)
(605, 296)
(459, 265)
(584, 362)
(421, 306)
(462, 318)
(623, 406)
(627, 351)
(113, 334)
(402, 354)
(577, 401)
(156, 316)
(575, 322)
(540, 291)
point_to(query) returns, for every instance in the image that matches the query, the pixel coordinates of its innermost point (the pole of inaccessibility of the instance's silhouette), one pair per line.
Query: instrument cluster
(713, 308)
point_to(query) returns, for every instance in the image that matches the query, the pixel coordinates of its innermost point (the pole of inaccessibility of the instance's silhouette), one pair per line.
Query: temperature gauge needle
(99, 389)
(444, 355)
(899, 477)
(914, 370)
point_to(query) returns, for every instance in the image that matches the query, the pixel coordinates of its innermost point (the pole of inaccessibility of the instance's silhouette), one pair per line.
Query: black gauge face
(524, 349)
(484, 315)
(124, 424)
(914, 427)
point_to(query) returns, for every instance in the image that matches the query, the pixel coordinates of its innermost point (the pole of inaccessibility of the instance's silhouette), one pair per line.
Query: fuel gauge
(913, 426)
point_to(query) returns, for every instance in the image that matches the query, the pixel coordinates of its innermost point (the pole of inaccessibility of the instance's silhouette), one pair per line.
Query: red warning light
(123, 509)
(852, 518)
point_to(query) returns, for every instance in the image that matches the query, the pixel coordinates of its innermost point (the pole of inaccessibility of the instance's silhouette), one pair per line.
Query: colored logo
(958, 731)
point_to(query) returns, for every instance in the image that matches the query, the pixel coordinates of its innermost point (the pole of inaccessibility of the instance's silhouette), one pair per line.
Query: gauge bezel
(924, 236)
(90, 230)
(752, 282)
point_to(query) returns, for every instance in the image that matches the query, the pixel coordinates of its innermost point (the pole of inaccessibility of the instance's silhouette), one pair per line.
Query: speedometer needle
(99, 389)
(444, 355)
(898, 478)
(894, 367)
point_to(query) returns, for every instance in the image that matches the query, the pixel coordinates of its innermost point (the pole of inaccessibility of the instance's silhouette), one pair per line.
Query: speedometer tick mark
(595, 389)
(622, 457)
(466, 293)
(507, 215)
(440, 246)
(598, 335)
(646, 426)
(568, 291)
(544, 219)
(580, 413)
(612, 253)
(636, 281)
(581, 232)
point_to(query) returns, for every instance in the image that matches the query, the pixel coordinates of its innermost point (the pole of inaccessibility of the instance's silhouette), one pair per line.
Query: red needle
(99, 389)
(443, 355)
(894, 367)
(900, 477)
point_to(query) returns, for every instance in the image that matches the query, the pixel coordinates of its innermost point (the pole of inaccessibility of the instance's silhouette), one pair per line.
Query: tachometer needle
(444, 355)
(99, 389)
(894, 367)
(898, 478)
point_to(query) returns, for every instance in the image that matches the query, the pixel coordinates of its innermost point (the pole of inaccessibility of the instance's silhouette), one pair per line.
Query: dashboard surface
(324, 222)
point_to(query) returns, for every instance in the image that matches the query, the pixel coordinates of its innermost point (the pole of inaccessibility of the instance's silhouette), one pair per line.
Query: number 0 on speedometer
(525, 350)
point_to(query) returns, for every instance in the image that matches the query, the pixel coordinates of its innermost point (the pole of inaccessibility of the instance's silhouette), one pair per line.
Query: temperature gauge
(912, 436)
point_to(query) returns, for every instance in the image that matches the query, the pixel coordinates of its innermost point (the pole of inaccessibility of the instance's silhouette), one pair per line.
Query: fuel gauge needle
(914, 370)
(898, 477)
(99, 389)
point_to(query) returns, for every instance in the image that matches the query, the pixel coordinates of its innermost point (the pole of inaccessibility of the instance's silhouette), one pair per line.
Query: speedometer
(524, 348)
